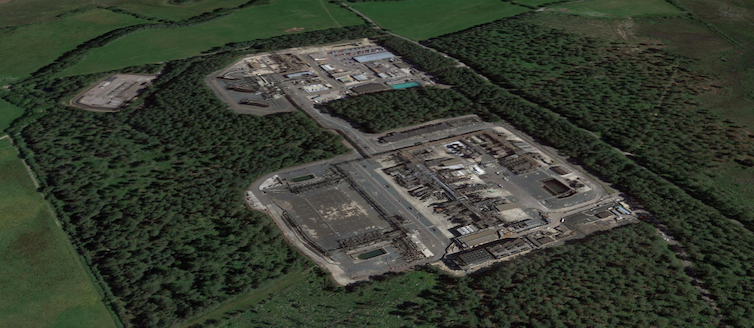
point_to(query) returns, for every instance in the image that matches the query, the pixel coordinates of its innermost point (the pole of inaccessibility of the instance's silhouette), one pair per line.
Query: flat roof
(373, 57)
(371, 87)
(505, 207)
(452, 161)
(479, 238)
(475, 256)
(603, 215)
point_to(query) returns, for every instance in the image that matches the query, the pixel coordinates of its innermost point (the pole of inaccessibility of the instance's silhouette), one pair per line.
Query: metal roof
(372, 57)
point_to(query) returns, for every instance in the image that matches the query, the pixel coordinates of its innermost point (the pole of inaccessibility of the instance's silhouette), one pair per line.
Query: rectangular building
(373, 57)
(475, 239)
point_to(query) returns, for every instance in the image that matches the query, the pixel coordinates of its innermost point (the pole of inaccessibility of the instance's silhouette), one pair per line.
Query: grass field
(310, 304)
(245, 301)
(535, 2)
(738, 181)
(424, 19)
(733, 18)
(163, 9)
(256, 22)
(42, 282)
(35, 11)
(621, 8)
(18, 12)
(31, 47)
(8, 113)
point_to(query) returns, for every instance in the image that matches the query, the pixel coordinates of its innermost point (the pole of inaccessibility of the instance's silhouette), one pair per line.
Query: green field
(731, 17)
(256, 22)
(42, 282)
(31, 47)
(535, 2)
(252, 298)
(606, 8)
(316, 303)
(163, 9)
(36, 11)
(424, 19)
(8, 113)
(18, 12)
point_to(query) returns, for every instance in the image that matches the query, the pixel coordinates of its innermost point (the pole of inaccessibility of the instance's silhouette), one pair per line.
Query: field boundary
(69, 245)
(709, 26)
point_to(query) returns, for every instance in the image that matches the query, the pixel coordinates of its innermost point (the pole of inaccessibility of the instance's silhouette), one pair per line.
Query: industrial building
(491, 251)
(373, 57)
(113, 93)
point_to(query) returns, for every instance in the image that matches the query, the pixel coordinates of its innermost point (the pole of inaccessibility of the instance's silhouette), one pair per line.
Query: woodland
(721, 251)
(640, 99)
(625, 278)
(152, 196)
(383, 111)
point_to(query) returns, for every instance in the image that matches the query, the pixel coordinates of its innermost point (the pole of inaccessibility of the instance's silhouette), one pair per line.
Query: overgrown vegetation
(317, 302)
(430, 61)
(624, 278)
(391, 109)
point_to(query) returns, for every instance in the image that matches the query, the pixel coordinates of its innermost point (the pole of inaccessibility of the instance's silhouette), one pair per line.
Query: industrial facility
(466, 200)
(460, 193)
(113, 93)
(275, 82)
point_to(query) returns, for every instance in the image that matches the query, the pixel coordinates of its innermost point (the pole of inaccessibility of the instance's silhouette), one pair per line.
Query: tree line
(72, 57)
(642, 100)
(153, 197)
(722, 252)
(624, 278)
(387, 110)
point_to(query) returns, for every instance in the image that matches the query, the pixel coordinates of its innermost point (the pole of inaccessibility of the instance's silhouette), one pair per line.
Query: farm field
(424, 19)
(606, 8)
(8, 113)
(28, 48)
(255, 22)
(36, 11)
(41, 280)
(732, 18)
(165, 10)
(19, 12)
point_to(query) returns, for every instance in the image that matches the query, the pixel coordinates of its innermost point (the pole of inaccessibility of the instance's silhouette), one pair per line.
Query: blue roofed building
(373, 57)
